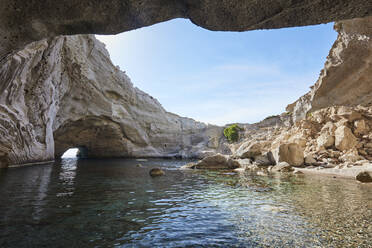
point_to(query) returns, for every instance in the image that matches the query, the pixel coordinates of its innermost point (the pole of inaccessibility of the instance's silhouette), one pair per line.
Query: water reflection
(100, 203)
(67, 175)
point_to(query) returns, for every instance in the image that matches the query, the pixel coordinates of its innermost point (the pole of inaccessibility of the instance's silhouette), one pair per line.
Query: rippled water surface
(107, 203)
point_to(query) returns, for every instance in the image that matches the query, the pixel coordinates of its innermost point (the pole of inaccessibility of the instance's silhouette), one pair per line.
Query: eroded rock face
(65, 92)
(22, 22)
(346, 79)
(291, 153)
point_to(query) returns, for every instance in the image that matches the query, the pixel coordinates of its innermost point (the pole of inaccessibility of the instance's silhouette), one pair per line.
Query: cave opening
(198, 73)
(75, 152)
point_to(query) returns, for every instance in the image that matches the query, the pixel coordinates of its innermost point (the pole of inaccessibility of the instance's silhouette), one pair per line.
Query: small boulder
(291, 153)
(360, 127)
(265, 159)
(156, 172)
(325, 140)
(364, 177)
(329, 127)
(348, 113)
(249, 150)
(344, 139)
(217, 161)
(282, 167)
(309, 160)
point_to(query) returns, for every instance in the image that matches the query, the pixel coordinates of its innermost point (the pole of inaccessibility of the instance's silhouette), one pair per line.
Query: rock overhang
(22, 22)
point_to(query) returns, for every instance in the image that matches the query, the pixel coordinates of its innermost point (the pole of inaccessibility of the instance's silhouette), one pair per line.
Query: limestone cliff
(65, 92)
(347, 76)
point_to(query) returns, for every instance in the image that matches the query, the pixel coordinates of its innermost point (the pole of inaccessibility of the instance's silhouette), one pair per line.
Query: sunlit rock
(217, 161)
(344, 139)
(290, 153)
(346, 77)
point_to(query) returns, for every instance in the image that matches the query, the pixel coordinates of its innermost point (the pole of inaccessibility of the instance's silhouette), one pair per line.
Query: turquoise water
(115, 203)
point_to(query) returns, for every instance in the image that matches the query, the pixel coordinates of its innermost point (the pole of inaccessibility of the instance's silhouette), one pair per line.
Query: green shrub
(232, 133)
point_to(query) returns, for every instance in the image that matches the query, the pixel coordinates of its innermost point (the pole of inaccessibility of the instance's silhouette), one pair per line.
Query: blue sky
(222, 77)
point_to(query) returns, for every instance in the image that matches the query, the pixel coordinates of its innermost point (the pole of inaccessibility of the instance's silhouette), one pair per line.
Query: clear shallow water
(108, 203)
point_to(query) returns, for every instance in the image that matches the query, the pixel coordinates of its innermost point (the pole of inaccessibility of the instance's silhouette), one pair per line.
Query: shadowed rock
(22, 22)
(364, 177)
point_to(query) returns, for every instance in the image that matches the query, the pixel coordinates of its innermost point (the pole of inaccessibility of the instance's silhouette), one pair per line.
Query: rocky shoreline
(332, 141)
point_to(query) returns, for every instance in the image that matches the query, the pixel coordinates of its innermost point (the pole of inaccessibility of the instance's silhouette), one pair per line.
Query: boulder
(344, 138)
(282, 167)
(266, 159)
(156, 172)
(217, 161)
(325, 140)
(360, 127)
(291, 153)
(309, 160)
(329, 127)
(348, 113)
(364, 177)
(249, 150)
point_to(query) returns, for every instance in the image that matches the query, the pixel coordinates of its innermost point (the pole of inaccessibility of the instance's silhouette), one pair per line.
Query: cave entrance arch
(75, 152)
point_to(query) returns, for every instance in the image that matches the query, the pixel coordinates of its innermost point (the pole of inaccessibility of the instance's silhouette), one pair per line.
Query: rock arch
(64, 92)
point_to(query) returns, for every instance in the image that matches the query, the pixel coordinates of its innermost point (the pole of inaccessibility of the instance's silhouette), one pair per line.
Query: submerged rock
(282, 167)
(188, 166)
(364, 177)
(156, 172)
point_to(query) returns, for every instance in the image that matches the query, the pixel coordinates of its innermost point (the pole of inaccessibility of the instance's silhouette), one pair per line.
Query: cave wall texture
(347, 75)
(22, 22)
